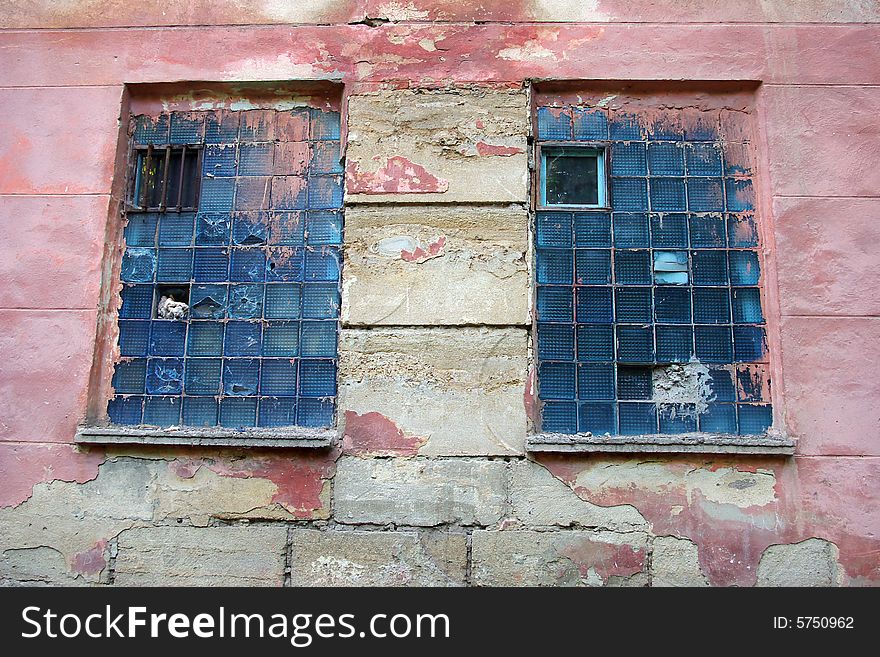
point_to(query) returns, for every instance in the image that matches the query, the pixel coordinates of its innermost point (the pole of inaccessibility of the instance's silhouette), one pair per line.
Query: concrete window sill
(691, 443)
(285, 437)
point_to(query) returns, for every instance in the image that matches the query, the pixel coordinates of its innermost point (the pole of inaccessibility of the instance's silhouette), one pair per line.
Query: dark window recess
(165, 178)
(573, 177)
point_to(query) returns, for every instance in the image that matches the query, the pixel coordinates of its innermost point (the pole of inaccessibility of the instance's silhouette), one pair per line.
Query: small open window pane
(574, 177)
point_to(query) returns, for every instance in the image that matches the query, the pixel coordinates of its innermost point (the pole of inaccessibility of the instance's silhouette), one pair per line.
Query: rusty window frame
(140, 159)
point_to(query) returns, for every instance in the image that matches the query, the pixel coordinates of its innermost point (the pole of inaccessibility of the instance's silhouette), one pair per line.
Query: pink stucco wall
(62, 77)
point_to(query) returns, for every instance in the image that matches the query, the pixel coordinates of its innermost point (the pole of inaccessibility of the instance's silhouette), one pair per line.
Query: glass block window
(231, 270)
(649, 301)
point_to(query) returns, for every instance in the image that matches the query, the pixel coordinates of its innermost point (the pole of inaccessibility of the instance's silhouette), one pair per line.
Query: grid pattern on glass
(258, 263)
(668, 278)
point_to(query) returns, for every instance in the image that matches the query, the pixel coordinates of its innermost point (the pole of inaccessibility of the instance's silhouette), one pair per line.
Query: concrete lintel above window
(285, 437)
(691, 443)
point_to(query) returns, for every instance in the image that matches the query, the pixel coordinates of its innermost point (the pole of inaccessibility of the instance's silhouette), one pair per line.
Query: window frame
(601, 148)
(133, 190)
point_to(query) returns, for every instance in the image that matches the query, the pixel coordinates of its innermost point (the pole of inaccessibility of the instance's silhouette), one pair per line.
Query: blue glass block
(200, 411)
(742, 231)
(559, 417)
(702, 127)
(625, 127)
(129, 377)
(711, 305)
(557, 380)
(320, 300)
(325, 192)
(134, 337)
(207, 301)
(247, 265)
(322, 264)
(709, 267)
(740, 195)
(713, 344)
(665, 159)
(278, 377)
(186, 128)
(175, 265)
(590, 124)
(593, 266)
(257, 125)
(594, 305)
(744, 268)
(597, 418)
(151, 130)
(243, 339)
(708, 231)
(719, 418)
(245, 301)
(668, 195)
(554, 229)
(592, 229)
(630, 194)
(167, 338)
(637, 418)
(633, 304)
(705, 195)
(553, 123)
(318, 339)
(324, 227)
(703, 160)
(752, 384)
(324, 125)
(205, 339)
(632, 267)
(595, 343)
(140, 229)
(218, 161)
(635, 344)
(555, 304)
(555, 266)
(675, 344)
(747, 306)
(165, 376)
(595, 381)
(238, 412)
(286, 228)
(277, 412)
(240, 376)
(755, 418)
(317, 378)
(289, 193)
(285, 264)
(314, 412)
(750, 343)
(555, 342)
(253, 192)
(256, 159)
(666, 126)
(678, 418)
(634, 383)
(282, 301)
(176, 228)
(628, 159)
(630, 230)
(212, 228)
(325, 158)
(721, 383)
(138, 265)
(281, 339)
(249, 228)
(216, 194)
(221, 127)
(162, 411)
(202, 376)
(137, 302)
(125, 410)
(670, 267)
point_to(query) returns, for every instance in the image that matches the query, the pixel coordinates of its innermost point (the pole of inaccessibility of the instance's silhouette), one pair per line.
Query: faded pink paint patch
(433, 250)
(373, 433)
(397, 176)
(606, 559)
(493, 149)
(91, 561)
(22, 466)
(185, 468)
(530, 399)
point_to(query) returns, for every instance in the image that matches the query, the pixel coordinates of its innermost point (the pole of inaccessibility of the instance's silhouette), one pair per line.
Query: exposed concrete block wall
(429, 482)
